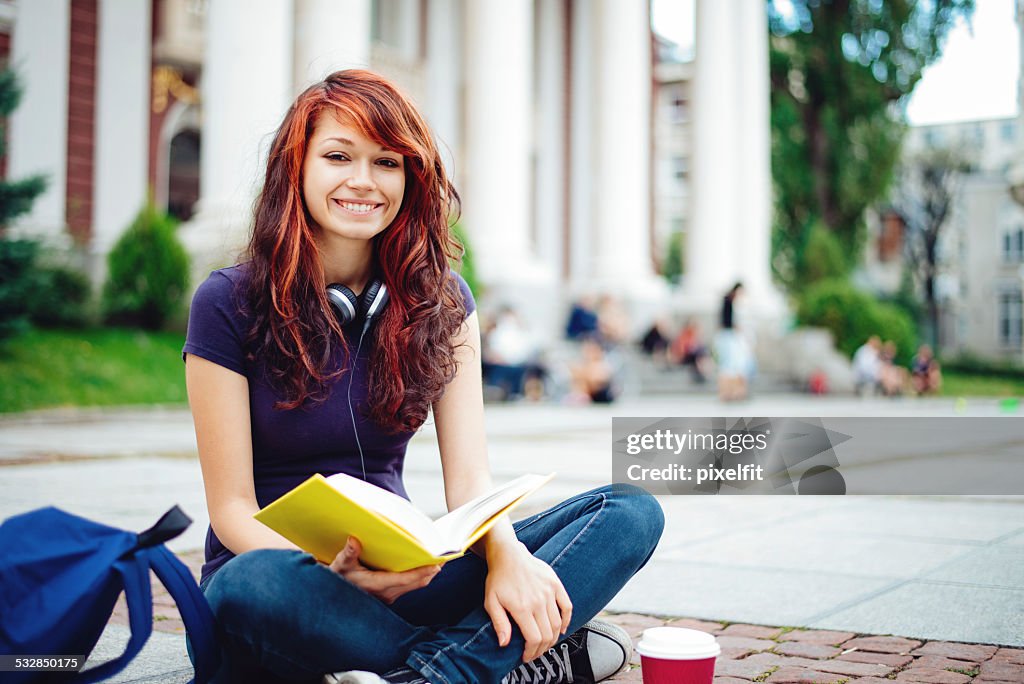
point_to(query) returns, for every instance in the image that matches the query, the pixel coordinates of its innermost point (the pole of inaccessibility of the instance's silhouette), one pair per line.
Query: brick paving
(776, 655)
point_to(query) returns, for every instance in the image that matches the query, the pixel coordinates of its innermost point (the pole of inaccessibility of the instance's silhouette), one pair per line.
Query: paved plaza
(929, 570)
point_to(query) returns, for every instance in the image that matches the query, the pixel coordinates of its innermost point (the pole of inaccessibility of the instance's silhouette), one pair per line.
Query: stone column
(245, 39)
(122, 122)
(498, 201)
(754, 222)
(550, 182)
(38, 133)
(712, 239)
(729, 238)
(622, 144)
(583, 114)
(329, 35)
(443, 76)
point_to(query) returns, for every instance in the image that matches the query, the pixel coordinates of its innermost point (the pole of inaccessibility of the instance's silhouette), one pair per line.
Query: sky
(976, 77)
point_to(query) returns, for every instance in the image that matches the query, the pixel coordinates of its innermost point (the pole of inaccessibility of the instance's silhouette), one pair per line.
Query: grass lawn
(962, 385)
(117, 367)
(101, 367)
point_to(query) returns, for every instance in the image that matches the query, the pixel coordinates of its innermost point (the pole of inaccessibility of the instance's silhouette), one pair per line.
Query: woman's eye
(389, 163)
(336, 156)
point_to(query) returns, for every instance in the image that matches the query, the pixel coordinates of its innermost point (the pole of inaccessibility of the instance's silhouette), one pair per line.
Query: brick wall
(5, 51)
(81, 117)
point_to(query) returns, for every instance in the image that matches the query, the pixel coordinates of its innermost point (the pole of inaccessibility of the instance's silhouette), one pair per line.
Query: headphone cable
(351, 411)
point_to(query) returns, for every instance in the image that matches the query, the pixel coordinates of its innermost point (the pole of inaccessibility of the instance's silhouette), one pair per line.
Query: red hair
(294, 332)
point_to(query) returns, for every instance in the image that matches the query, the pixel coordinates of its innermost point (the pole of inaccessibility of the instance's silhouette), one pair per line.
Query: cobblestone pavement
(777, 655)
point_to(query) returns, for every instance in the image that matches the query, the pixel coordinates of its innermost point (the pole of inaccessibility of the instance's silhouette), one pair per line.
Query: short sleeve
(216, 329)
(467, 294)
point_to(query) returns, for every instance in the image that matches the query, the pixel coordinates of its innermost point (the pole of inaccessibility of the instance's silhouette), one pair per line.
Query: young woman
(290, 373)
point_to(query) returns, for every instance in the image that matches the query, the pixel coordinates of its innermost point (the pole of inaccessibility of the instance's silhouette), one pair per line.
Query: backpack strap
(195, 611)
(170, 525)
(134, 573)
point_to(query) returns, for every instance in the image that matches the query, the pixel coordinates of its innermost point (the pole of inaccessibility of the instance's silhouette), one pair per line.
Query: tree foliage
(840, 73)
(15, 196)
(17, 257)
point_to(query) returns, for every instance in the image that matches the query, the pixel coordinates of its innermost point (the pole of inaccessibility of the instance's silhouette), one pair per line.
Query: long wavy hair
(294, 332)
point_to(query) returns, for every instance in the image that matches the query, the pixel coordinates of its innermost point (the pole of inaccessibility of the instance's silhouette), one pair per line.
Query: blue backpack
(60, 576)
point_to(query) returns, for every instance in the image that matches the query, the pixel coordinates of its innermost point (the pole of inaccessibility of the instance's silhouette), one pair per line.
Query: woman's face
(353, 187)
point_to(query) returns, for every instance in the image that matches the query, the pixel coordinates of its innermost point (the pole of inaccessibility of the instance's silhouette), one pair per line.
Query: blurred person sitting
(867, 367)
(655, 342)
(510, 356)
(582, 319)
(593, 376)
(688, 349)
(612, 321)
(925, 372)
(892, 378)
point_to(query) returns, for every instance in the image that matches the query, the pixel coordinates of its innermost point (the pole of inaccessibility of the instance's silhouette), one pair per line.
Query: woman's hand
(526, 589)
(386, 586)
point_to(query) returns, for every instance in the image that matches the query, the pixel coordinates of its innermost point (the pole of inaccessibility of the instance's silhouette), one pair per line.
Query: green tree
(672, 266)
(840, 73)
(17, 257)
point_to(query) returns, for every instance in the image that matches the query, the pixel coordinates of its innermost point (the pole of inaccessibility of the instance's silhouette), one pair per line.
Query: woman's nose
(361, 178)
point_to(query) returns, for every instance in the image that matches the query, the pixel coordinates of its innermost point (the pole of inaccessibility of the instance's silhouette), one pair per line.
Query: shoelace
(557, 669)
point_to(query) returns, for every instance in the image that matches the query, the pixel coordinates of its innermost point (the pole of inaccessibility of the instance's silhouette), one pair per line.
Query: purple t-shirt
(290, 446)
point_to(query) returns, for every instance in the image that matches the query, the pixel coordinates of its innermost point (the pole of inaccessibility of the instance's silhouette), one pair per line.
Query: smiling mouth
(358, 207)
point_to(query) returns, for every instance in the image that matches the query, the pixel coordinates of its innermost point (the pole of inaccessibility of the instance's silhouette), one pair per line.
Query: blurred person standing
(735, 358)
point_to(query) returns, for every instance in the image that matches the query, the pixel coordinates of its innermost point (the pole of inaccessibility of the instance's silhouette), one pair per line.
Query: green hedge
(853, 316)
(148, 273)
(973, 365)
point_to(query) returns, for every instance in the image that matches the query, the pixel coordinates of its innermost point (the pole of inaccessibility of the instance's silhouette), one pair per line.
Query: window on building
(680, 168)
(934, 138)
(1013, 246)
(1011, 330)
(1008, 131)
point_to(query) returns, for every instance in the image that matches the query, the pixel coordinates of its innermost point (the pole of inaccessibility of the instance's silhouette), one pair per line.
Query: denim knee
(641, 514)
(238, 594)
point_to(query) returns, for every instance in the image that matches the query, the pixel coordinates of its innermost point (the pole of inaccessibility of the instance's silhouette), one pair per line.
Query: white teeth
(358, 208)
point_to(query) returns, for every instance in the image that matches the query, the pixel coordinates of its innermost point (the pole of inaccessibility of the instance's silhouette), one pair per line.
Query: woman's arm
(519, 585)
(219, 399)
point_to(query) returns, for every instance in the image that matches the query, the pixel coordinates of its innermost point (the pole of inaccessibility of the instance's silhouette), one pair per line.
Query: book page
(391, 506)
(455, 528)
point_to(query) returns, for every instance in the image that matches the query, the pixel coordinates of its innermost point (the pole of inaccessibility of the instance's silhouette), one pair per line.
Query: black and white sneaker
(593, 653)
(402, 675)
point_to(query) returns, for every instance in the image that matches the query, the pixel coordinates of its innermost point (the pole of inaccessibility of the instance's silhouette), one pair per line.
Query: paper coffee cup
(674, 655)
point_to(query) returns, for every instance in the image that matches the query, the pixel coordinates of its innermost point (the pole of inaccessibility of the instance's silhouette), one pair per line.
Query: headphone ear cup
(343, 301)
(375, 299)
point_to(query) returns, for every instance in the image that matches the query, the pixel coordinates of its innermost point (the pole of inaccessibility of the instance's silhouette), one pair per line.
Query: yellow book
(321, 513)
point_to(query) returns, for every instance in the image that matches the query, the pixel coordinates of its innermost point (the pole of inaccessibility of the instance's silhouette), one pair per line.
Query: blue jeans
(283, 616)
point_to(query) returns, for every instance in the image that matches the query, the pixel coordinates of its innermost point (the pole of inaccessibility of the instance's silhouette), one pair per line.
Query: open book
(320, 514)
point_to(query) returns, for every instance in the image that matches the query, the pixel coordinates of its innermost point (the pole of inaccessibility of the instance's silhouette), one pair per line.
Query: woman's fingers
(499, 618)
(532, 635)
(564, 607)
(387, 586)
(348, 557)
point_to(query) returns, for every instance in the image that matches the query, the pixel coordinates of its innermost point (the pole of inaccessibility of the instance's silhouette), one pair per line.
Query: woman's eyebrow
(346, 141)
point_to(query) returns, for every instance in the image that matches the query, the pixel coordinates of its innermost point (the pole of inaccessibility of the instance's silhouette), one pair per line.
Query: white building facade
(981, 246)
(544, 108)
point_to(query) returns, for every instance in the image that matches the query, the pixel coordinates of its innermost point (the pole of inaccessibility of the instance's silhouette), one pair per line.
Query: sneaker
(402, 675)
(593, 653)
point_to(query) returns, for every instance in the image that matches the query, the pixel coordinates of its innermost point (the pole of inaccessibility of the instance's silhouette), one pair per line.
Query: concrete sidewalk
(925, 568)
